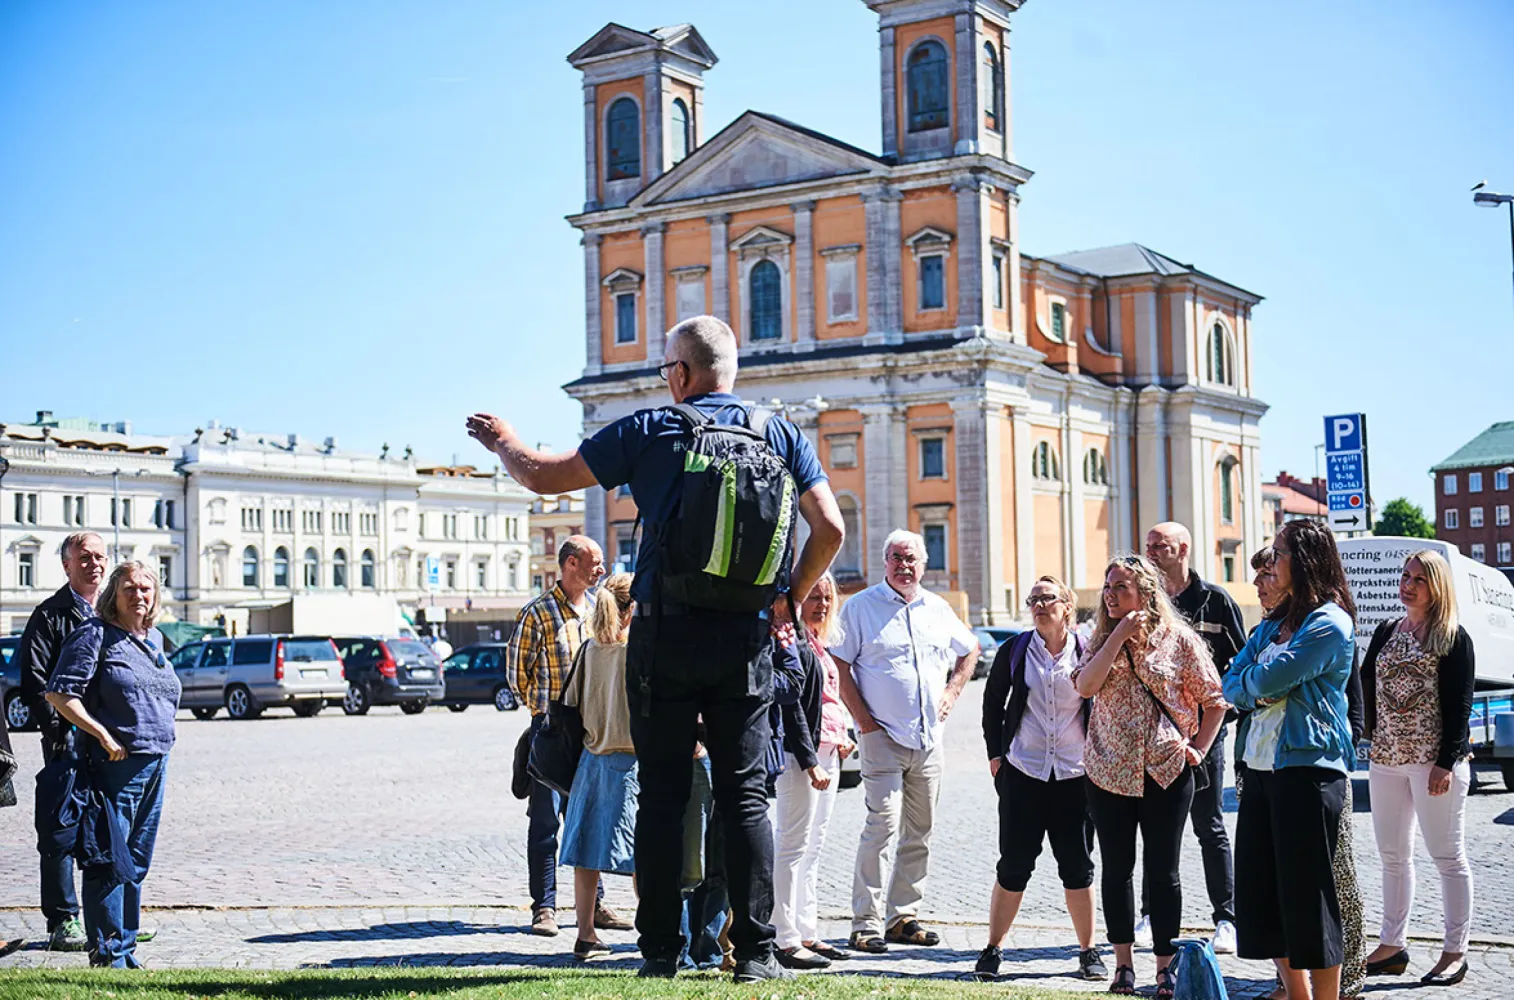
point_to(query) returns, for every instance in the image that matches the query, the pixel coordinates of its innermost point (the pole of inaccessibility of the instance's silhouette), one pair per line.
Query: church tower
(945, 77)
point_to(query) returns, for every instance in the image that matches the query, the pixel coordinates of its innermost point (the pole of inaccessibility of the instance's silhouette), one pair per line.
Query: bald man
(1214, 615)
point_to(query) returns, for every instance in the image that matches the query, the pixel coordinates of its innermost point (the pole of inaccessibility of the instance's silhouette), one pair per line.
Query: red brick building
(1473, 495)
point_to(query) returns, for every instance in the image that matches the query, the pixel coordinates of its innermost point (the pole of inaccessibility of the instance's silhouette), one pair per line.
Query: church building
(1026, 414)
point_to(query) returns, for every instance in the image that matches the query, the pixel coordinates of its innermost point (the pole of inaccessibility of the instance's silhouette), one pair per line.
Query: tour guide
(684, 661)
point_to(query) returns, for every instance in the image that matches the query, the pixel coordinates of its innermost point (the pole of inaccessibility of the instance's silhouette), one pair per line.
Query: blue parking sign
(1343, 433)
(1345, 473)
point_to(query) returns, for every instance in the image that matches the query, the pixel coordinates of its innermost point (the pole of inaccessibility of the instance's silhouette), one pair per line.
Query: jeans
(1158, 814)
(112, 913)
(60, 903)
(681, 668)
(1208, 815)
(545, 810)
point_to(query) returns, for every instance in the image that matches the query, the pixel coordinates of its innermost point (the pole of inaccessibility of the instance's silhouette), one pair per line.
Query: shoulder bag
(1200, 773)
(559, 741)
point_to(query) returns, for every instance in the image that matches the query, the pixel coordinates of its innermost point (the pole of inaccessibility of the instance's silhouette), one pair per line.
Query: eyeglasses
(903, 559)
(1041, 600)
(662, 370)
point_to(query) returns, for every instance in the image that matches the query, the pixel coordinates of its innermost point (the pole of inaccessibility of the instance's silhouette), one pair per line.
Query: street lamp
(1492, 199)
(117, 513)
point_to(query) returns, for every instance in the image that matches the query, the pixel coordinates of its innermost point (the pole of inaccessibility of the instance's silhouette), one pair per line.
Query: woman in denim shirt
(113, 682)
(1296, 744)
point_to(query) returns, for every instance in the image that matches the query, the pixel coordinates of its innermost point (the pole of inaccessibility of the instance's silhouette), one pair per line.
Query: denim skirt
(599, 830)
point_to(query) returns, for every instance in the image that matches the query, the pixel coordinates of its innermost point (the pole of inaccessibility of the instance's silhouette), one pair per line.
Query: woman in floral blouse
(1149, 676)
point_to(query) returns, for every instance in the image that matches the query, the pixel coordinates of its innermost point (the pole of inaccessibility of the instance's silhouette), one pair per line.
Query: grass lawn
(454, 984)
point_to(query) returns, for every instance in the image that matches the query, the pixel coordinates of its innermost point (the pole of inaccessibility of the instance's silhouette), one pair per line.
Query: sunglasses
(1041, 600)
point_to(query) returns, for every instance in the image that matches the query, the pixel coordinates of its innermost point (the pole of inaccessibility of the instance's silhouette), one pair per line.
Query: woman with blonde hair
(1418, 680)
(599, 830)
(1151, 678)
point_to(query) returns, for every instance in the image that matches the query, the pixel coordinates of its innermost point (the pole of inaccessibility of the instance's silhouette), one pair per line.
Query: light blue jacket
(1311, 673)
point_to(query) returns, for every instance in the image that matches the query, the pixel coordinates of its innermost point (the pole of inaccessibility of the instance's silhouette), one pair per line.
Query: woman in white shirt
(1034, 725)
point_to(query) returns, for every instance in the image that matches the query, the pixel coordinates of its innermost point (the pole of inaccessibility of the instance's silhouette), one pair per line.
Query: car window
(488, 659)
(357, 652)
(458, 662)
(185, 656)
(308, 650)
(249, 651)
(216, 654)
(407, 647)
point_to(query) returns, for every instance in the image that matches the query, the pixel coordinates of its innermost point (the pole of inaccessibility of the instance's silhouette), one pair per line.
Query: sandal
(829, 951)
(872, 944)
(1166, 985)
(909, 931)
(1124, 981)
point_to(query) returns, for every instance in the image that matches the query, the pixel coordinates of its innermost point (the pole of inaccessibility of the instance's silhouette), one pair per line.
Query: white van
(1484, 598)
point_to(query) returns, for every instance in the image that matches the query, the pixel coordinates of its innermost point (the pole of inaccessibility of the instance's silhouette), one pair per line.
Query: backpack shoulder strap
(757, 418)
(691, 413)
(1017, 654)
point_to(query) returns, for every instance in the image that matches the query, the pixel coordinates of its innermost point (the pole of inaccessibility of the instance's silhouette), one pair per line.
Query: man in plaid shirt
(547, 635)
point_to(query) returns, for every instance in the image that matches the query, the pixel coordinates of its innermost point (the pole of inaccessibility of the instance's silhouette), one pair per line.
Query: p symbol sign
(1343, 433)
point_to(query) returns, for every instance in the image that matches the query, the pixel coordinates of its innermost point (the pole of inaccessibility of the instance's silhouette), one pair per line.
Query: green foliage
(1400, 517)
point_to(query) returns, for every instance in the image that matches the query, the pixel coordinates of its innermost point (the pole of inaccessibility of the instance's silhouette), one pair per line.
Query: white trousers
(1400, 797)
(800, 815)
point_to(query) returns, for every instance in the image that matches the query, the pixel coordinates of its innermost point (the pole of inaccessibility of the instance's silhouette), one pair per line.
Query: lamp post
(1492, 199)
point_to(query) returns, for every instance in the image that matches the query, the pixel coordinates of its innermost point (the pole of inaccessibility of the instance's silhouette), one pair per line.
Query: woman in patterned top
(1149, 675)
(1418, 683)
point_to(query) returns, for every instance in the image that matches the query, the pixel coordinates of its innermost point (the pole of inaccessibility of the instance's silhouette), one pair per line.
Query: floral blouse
(1128, 736)
(1408, 703)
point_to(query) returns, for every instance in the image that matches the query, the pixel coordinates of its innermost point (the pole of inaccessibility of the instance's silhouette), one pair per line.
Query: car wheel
(413, 707)
(240, 704)
(504, 700)
(306, 709)
(18, 715)
(204, 714)
(356, 701)
(457, 708)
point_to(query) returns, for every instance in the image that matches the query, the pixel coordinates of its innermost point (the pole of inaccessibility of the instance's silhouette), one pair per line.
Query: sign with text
(1346, 484)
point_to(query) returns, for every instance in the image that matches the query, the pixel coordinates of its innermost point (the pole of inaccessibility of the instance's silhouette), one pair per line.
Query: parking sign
(1346, 472)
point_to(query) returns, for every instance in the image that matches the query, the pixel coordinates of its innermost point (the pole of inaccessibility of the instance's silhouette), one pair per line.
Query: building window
(1095, 468)
(1453, 519)
(252, 519)
(26, 509)
(1505, 553)
(537, 583)
(73, 511)
(451, 570)
(1228, 562)
(843, 451)
(249, 567)
(625, 318)
(368, 570)
(1221, 368)
(1500, 480)
(165, 571)
(623, 135)
(310, 522)
(1227, 491)
(1479, 552)
(1501, 515)
(481, 575)
(1043, 462)
(281, 567)
(998, 293)
(841, 289)
(1474, 517)
(1058, 323)
(933, 458)
(481, 526)
(449, 526)
(849, 559)
(162, 513)
(283, 521)
(1474, 482)
(312, 569)
(26, 570)
(1450, 484)
(341, 523)
(992, 88)
(339, 569)
(121, 506)
(367, 524)
(625, 550)
(764, 286)
(935, 546)
(929, 87)
(683, 130)
(933, 282)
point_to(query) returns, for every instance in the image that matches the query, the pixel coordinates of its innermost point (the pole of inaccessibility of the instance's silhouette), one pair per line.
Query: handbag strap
(578, 659)
(1152, 695)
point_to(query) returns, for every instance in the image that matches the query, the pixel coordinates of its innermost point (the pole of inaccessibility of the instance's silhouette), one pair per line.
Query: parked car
(851, 766)
(475, 675)
(390, 671)
(253, 672)
(18, 715)
(990, 638)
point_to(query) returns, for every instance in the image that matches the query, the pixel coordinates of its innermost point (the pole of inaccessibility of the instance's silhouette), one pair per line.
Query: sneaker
(753, 970)
(544, 922)
(146, 934)
(1091, 966)
(586, 951)
(1143, 932)
(658, 968)
(606, 919)
(800, 958)
(988, 962)
(68, 936)
(1223, 941)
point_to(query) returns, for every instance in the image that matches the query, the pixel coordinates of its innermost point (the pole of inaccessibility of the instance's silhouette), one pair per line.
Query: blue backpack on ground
(1197, 971)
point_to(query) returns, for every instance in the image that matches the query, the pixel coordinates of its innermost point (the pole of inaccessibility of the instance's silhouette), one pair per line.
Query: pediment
(753, 152)
(610, 40)
(761, 237)
(616, 39)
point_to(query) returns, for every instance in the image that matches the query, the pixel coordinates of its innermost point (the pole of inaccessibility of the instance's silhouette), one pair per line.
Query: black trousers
(679, 669)
(1208, 814)
(1031, 810)
(1285, 842)
(1158, 814)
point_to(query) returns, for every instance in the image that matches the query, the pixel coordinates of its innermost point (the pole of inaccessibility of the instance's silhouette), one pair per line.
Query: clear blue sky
(345, 218)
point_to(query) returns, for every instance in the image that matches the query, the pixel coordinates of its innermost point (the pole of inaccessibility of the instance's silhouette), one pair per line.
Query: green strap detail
(780, 537)
(725, 524)
(693, 461)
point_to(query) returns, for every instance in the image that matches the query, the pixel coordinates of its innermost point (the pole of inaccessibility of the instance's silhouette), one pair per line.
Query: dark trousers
(679, 669)
(545, 809)
(60, 902)
(1285, 842)
(1030, 811)
(1158, 814)
(1208, 814)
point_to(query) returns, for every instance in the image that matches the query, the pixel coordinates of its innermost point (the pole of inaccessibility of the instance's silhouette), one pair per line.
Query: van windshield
(305, 650)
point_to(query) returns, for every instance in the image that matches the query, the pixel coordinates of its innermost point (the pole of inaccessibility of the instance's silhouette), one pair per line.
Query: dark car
(18, 715)
(476, 676)
(990, 638)
(385, 671)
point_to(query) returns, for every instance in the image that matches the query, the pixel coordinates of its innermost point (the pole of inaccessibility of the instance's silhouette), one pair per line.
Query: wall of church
(619, 250)
(839, 222)
(944, 29)
(933, 500)
(605, 95)
(929, 207)
(781, 219)
(685, 244)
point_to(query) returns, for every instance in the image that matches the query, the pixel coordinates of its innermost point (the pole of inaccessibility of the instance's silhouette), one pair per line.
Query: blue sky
(345, 218)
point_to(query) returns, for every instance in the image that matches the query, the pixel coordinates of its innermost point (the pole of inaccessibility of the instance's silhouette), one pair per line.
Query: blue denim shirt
(1312, 674)
(138, 691)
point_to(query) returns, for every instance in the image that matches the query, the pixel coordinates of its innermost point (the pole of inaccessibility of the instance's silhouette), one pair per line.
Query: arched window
(683, 130)
(992, 88)
(281, 567)
(249, 567)
(766, 307)
(623, 140)
(929, 87)
(339, 569)
(1043, 462)
(1221, 361)
(1095, 468)
(312, 575)
(1227, 491)
(369, 570)
(849, 559)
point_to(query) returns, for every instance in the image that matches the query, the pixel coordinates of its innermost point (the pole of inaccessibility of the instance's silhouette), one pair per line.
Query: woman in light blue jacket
(1296, 744)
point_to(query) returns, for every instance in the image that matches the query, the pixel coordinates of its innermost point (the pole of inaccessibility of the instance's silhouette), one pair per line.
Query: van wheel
(413, 707)
(457, 708)
(205, 714)
(356, 701)
(1507, 767)
(306, 709)
(240, 704)
(18, 715)
(504, 700)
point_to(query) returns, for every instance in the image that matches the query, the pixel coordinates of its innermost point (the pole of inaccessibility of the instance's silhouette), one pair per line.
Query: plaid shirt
(547, 636)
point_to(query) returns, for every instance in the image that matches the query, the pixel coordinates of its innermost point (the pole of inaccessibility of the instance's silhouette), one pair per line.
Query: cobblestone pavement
(389, 838)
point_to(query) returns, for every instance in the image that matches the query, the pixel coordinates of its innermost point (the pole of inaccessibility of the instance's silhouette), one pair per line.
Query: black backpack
(733, 532)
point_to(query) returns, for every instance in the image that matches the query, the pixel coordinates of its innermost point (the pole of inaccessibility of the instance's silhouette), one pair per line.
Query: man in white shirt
(904, 657)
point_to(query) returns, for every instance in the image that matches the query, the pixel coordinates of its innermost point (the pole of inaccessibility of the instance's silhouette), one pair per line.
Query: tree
(1400, 517)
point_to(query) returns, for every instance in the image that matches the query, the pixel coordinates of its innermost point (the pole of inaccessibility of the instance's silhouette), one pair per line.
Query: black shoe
(1393, 965)
(1449, 977)
(752, 970)
(801, 959)
(988, 962)
(658, 968)
(1090, 966)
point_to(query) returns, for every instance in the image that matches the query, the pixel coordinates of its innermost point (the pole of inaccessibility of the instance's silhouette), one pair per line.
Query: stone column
(877, 263)
(1025, 528)
(969, 121)
(974, 262)
(1148, 366)
(893, 256)
(720, 267)
(657, 299)
(998, 481)
(1151, 458)
(1184, 349)
(973, 525)
(593, 344)
(594, 521)
(880, 484)
(591, 149)
(1072, 492)
(890, 94)
(804, 272)
(1122, 477)
(654, 158)
(1015, 299)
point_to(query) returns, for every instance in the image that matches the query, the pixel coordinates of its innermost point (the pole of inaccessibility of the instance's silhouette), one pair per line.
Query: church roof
(1127, 260)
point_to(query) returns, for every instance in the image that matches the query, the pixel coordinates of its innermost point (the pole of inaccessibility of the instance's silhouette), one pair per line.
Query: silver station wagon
(254, 672)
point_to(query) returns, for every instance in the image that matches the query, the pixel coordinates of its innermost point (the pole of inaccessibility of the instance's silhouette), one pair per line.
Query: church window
(929, 87)
(625, 318)
(623, 132)
(1221, 366)
(933, 281)
(766, 310)
(683, 136)
(992, 87)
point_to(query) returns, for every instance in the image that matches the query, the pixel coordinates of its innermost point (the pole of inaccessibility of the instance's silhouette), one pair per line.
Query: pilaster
(657, 299)
(998, 482)
(720, 266)
(893, 255)
(882, 481)
(1025, 529)
(1148, 367)
(1073, 507)
(974, 262)
(878, 288)
(804, 271)
(969, 117)
(593, 343)
(594, 519)
(1184, 345)
(654, 158)
(973, 512)
(591, 149)
(1151, 457)
(1015, 300)
(889, 92)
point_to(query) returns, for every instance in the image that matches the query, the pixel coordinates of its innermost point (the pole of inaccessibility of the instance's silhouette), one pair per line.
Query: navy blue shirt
(138, 692)
(646, 451)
